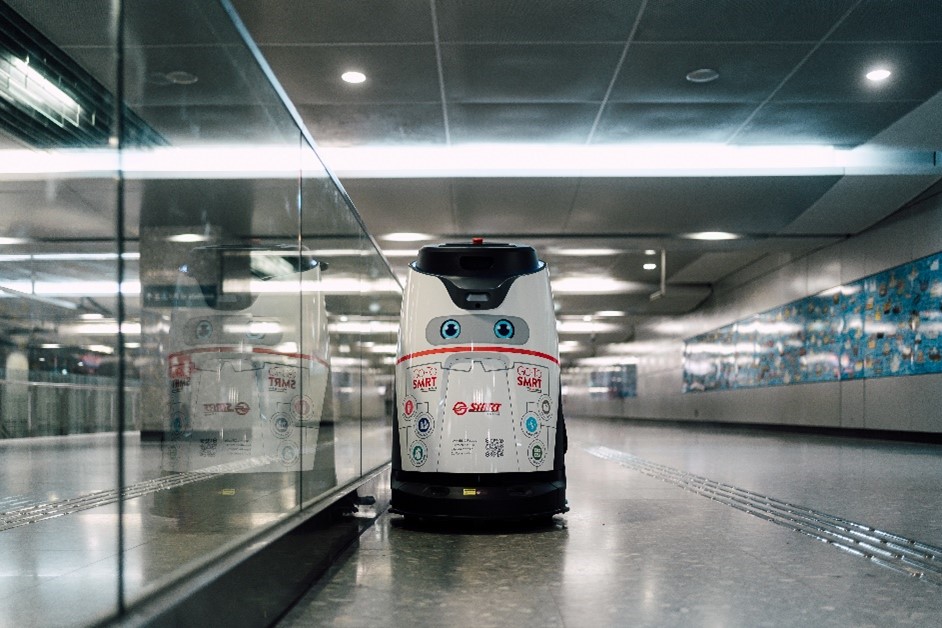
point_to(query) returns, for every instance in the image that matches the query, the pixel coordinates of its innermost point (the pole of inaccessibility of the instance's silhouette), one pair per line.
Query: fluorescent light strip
(69, 257)
(22, 84)
(486, 160)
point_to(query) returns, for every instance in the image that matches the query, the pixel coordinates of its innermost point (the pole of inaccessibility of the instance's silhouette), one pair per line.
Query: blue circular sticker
(450, 329)
(280, 426)
(424, 426)
(504, 329)
(530, 425)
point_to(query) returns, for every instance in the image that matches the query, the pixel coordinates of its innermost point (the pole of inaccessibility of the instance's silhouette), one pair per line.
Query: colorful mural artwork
(617, 382)
(884, 325)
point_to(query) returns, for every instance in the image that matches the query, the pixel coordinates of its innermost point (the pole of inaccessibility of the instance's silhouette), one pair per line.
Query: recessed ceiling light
(703, 75)
(880, 74)
(610, 313)
(650, 266)
(650, 252)
(405, 236)
(713, 235)
(187, 237)
(181, 77)
(353, 77)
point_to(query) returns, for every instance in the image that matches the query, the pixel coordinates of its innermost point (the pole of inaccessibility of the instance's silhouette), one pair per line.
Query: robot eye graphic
(451, 329)
(504, 329)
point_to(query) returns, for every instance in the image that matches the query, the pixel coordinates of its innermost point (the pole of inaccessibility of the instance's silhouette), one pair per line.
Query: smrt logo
(240, 408)
(461, 408)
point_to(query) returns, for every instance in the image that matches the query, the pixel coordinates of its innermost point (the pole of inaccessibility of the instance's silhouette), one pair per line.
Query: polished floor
(61, 562)
(673, 526)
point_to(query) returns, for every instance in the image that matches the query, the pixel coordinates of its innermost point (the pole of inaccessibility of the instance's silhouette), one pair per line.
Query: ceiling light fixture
(713, 235)
(469, 161)
(353, 77)
(650, 252)
(616, 160)
(879, 74)
(406, 236)
(24, 85)
(596, 285)
(187, 237)
(703, 75)
(650, 266)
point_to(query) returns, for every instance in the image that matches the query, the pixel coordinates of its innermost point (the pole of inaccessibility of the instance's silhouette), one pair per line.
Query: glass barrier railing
(194, 320)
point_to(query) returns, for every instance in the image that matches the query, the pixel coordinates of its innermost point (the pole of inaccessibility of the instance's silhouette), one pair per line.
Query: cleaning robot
(478, 430)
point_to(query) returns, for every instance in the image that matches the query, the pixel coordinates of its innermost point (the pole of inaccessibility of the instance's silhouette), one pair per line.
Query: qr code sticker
(493, 447)
(208, 446)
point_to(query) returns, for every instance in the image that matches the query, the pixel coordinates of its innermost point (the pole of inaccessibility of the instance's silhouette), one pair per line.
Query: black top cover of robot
(492, 260)
(477, 275)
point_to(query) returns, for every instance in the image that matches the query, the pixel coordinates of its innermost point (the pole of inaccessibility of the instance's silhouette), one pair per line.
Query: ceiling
(447, 73)
(571, 76)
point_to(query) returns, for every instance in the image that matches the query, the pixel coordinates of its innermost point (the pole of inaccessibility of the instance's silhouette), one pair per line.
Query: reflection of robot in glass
(247, 365)
(478, 428)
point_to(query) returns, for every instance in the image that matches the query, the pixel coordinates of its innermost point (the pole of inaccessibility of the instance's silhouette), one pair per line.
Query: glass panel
(361, 299)
(254, 373)
(382, 302)
(333, 234)
(59, 420)
(225, 403)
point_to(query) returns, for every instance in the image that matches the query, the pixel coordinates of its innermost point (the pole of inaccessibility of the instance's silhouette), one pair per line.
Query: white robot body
(479, 430)
(477, 403)
(247, 378)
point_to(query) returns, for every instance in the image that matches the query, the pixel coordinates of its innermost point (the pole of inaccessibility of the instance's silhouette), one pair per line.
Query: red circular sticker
(460, 408)
(242, 408)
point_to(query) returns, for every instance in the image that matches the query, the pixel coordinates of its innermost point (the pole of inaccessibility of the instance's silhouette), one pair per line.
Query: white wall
(911, 403)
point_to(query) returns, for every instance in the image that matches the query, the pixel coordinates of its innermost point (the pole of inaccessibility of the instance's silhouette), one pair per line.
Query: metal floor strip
(893, 551)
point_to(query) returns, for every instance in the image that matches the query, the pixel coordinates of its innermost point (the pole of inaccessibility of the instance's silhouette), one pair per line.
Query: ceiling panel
(376, 125)
(630, 266)
(891, 20)
(395, 73)
(329, 21)
(683, 205)
(417, 205)
(712, 267)
(749, 72)
(536, 20)
(835, 73)
(839, 124)
(147, 22)
(190, 126)
(528, 72)
(527, 123)
(734, 20)
(670, 122)
(487, 206)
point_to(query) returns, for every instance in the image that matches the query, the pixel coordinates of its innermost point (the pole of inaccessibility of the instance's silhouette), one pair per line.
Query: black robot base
(479, 496)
